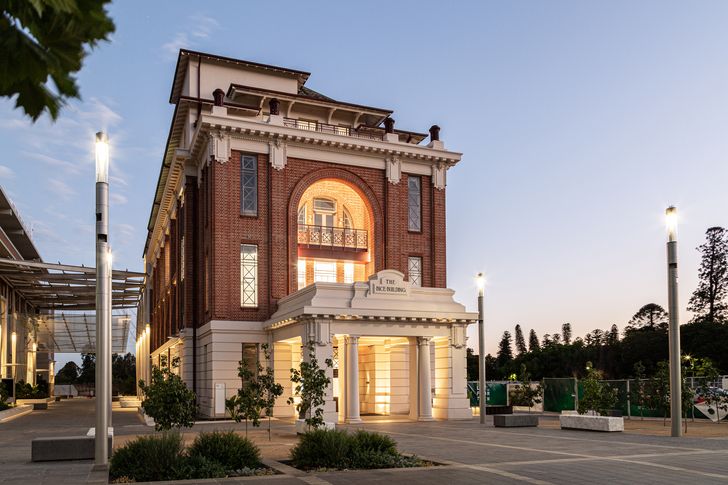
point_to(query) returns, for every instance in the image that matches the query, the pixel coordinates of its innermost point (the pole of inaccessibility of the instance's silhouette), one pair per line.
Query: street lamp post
(481, 345)
(674, 323)
(103, 307)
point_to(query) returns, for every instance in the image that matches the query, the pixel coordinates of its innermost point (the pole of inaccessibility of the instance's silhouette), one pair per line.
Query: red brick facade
(210, 226)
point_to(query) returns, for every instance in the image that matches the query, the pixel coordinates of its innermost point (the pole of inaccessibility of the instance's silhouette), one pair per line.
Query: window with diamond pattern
(248, 275)
(414, 268)
(414, 203)
(249, 185)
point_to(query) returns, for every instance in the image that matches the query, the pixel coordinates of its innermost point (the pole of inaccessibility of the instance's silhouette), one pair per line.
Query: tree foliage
(566, 332)
(525, 394)
(168, 401)
(310, 383)
(651, 317)
(598, 396)
(708, 300)
(68, 374)
(505, 352)
(520, 341)
(42, 46)
(257, 394)
(533, 344)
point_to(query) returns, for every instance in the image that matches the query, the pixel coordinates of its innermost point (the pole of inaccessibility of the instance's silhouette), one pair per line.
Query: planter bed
(591, 423)
(411, 461)
(515, 420)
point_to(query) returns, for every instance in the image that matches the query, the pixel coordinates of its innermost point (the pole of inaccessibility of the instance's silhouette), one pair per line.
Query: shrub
(338, 449)
(598, 396)
(322, 448)
(200, 467)
(150, 458)
(231, 451)
(168, 401)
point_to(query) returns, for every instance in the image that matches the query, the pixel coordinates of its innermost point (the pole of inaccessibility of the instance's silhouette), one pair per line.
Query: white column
(424, 379)
(352, 379)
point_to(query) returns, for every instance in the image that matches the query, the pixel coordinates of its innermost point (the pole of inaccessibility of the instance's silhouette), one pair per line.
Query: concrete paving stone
(438, 476)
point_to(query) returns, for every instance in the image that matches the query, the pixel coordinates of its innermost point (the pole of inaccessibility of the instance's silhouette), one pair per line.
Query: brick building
(282, 216)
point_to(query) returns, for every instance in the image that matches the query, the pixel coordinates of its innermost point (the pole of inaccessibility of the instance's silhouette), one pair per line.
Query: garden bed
(325, 450)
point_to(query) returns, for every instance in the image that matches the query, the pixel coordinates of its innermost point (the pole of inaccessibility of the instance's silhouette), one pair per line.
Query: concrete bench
(40, 405)
(515, 420)
(65, 448)
(591, 423)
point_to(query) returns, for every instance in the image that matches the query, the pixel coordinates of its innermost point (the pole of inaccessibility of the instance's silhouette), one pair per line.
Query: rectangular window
(414, 268)
(248, 275)
(251, 357)
(249, 185)
(182, 259)
(324, 271)
(414, 203)
(301, 273)
(348, 272)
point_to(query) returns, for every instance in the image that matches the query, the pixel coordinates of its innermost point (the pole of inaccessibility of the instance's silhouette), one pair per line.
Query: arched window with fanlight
(346, 219)
(302, 215)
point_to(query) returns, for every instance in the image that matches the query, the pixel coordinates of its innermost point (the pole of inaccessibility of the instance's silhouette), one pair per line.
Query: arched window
(346, 220)
(302, 215)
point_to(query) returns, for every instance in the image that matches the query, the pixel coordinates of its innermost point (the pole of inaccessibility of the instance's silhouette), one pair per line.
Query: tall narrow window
(301, 270)
(414, 268)
(251, 357)
(348, 272)
(249, 185)
(414, 203)
(248, 275)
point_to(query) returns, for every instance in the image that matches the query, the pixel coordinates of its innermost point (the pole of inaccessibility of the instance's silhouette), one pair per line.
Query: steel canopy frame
(49, 286)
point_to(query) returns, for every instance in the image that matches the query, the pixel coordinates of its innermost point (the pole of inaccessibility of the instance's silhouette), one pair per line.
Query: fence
(563, 394)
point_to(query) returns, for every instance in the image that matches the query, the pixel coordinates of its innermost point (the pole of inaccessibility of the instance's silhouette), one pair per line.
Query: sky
(579, 123)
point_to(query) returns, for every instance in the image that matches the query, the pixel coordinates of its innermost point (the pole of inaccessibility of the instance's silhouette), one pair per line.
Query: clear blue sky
(579, 123)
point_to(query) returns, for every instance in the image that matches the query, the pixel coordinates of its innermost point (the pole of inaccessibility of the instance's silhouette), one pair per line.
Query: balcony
(369, 134)
(332, 238)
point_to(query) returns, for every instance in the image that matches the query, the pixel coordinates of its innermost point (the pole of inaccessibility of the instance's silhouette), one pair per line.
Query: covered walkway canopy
(65, 297)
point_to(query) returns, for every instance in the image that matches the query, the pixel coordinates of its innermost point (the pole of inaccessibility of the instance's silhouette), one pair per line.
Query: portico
(397, 349)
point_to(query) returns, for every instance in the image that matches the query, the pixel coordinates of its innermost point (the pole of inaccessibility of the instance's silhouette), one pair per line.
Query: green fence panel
(558, 394)
(495, 394)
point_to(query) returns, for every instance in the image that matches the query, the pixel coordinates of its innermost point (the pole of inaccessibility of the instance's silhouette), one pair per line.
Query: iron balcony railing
(331, 129)
(333, 237)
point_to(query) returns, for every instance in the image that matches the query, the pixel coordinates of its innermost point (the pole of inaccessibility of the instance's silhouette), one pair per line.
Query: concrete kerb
(15, 412)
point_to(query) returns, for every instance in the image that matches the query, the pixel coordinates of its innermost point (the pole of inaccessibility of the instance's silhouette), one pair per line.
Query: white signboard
(389, 282)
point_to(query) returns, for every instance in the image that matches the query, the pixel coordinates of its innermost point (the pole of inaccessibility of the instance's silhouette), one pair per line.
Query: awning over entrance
(49, 286)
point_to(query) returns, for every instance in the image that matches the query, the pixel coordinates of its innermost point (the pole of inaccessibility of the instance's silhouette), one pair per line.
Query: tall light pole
(674, 323)
(103, 307)
(480, 280)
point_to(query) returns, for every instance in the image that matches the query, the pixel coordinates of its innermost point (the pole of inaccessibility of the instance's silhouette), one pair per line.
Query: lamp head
(102, 157)
(480, 282)
(14, 337)
(671, 222)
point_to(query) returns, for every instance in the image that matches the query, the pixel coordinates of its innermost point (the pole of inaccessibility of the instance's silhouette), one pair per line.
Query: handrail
(333, 237)
(331, 129)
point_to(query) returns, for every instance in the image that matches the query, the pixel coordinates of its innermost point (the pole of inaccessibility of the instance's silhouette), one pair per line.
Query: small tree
(271, 390)
(310, 385)
(524, 394)
(257, 394)
(168, 401)
(638, 392)
(598, 395)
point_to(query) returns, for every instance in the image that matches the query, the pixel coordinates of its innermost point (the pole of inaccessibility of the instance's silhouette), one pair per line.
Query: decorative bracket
(218, 147)
(439, 171)
(394, 169)
(277, 154)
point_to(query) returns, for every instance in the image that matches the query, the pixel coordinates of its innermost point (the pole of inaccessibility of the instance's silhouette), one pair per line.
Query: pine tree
(533, 344)
(651, 316)
(505, 352)
(708, 300)
(613, 335)
(520, 341)
(566, 333)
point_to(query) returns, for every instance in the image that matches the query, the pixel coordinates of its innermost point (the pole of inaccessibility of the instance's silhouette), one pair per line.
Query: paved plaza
(468, 452)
